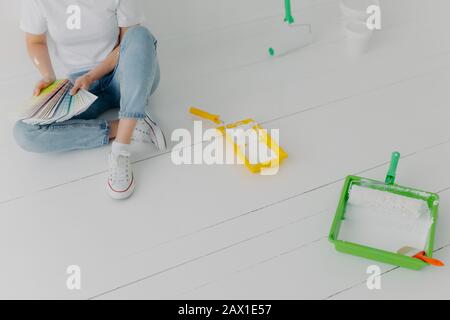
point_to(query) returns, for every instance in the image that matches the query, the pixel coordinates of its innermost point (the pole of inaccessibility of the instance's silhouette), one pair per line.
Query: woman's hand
(41, 85)
(83, 82)
(38, 50)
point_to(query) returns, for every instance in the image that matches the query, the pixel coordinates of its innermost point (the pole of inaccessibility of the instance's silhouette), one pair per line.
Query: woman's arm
(108, 65)
(38, 51)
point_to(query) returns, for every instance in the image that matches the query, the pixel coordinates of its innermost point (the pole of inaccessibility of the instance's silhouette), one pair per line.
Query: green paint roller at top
(288, 16)
(291, 36)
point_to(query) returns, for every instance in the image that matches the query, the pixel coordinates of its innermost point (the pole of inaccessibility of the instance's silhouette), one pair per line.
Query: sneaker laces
(120, 169)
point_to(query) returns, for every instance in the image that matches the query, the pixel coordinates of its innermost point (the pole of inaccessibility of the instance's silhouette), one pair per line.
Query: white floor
(199, 232)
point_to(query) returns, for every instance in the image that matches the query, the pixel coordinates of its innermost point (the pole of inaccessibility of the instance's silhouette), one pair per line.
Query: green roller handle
(288, 18)
(392, 173)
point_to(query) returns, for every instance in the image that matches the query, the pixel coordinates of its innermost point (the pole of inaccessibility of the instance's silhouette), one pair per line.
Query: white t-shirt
(82, 33)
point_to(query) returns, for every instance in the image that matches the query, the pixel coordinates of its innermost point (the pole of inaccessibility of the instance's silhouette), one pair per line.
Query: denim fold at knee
(138, 72)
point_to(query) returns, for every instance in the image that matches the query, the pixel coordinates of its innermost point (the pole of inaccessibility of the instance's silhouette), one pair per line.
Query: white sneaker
(121, 179)
(147, 131)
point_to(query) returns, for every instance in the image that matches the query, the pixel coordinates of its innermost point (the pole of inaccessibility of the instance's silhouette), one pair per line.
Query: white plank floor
(199, 232)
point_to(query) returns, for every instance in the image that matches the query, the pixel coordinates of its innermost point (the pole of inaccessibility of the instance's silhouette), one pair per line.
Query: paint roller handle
(434, 262)
(205, 115)
(288, 8)
(392, 173)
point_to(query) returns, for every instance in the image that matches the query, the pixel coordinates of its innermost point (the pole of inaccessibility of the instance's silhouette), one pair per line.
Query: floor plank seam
(358, 95)
(357, 285)
(188, 262)
(144, 251)
(251, 266)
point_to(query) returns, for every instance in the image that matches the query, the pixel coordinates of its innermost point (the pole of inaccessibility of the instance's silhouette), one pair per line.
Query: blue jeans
(128, 87)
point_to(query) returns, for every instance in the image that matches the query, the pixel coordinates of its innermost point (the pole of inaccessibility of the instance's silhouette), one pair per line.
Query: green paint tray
(392, 258)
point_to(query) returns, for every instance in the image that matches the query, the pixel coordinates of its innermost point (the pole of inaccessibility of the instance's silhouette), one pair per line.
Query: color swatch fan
(55, 104)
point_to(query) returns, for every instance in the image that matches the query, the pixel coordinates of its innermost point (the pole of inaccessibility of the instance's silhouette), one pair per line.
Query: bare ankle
(125, 130)
(113, 128)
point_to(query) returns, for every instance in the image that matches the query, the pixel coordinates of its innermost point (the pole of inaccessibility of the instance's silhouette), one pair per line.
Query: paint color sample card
(55, 104)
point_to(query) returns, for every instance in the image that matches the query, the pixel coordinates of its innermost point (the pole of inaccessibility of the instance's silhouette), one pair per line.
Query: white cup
(358, 37)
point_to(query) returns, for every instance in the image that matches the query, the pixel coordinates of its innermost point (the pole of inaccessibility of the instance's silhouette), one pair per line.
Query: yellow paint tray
(242, 135)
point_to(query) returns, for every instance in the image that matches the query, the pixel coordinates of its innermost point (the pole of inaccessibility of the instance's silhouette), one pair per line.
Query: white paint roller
(292, 36)
(290, 39)
(388, 203)
(385, 220)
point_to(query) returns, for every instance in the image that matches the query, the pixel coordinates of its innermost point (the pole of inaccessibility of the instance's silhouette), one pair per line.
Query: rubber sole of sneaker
(121, 195)
(161, 142)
